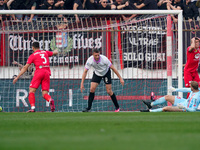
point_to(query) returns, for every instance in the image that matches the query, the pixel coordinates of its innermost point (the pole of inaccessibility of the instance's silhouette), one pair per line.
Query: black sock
(114, 99)
(90, 100)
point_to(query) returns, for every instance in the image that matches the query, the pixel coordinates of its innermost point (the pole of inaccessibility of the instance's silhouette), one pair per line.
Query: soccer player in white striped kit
(102, 66)
(178, 104)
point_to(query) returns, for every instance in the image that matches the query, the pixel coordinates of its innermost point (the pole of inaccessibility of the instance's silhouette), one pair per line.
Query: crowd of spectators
(189, 7)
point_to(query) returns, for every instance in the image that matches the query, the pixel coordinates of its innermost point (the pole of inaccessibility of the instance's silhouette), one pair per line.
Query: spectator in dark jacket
(147, 4)
(162, 4)
(78, 5)
(60, 5)
(119, 4)
(48, 5)
(3, 6)
(103, 5)
(175, 5)
(29, 5)
(69, 4)
(39, 3)
(190, 11)
(23, 5)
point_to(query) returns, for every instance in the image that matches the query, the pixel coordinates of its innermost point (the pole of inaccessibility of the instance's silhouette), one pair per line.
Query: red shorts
(191, 76)
(41, 77)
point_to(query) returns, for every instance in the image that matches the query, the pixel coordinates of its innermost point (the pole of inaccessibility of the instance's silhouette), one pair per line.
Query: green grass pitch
(100, 131)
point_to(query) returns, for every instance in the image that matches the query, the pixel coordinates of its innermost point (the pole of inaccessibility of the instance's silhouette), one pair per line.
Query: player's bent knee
(44, 92)
(32, 90)
(109, 92)
(168, 97)
(92, 90)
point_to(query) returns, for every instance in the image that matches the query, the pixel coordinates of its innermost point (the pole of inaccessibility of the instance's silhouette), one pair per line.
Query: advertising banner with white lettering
(74, 47)
(144, 44)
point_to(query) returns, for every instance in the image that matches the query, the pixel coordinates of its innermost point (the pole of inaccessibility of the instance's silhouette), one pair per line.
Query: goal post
(138, 48)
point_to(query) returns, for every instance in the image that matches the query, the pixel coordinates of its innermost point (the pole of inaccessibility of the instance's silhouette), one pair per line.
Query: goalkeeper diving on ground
(178, 104)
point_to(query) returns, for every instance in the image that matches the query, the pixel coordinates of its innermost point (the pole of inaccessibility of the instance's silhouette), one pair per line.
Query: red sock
(31, 99)
(188, 92)
(188, 95)
(47, 97)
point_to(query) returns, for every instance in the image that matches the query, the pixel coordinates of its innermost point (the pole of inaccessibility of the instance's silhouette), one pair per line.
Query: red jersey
(41, 60)
(193, 58)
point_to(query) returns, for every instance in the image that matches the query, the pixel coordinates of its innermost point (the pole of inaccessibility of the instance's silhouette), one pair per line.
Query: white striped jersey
(193, 100)
(101, 67)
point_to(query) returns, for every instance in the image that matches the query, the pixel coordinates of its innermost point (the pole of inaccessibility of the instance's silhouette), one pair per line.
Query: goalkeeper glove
(171, 89)
(180, 106)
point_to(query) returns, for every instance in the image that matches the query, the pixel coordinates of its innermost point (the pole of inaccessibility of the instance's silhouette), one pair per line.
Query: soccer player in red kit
(40, 58)
(191, 66)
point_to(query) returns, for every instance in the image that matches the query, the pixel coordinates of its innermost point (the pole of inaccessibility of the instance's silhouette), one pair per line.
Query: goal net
(144, 49)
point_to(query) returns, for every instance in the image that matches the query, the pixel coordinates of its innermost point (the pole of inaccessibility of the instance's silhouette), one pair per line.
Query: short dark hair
(14, 76)
(195, 85)
(36, 44)
(196, 38)
(95, 51)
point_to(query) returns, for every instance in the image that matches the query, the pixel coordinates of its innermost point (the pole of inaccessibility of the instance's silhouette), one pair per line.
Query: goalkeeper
(178, 104)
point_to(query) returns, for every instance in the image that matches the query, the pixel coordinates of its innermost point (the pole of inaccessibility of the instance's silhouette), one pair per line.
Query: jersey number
(45, 60)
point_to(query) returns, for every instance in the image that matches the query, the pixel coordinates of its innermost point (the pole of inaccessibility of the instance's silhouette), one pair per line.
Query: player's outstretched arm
(117, 73)
(192, 46)
(24, 69)
(83, 79)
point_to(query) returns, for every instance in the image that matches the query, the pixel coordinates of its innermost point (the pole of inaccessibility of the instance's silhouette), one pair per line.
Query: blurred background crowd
(190, 7)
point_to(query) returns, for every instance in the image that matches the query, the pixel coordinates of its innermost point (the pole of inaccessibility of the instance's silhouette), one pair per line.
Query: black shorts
(106, 78)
